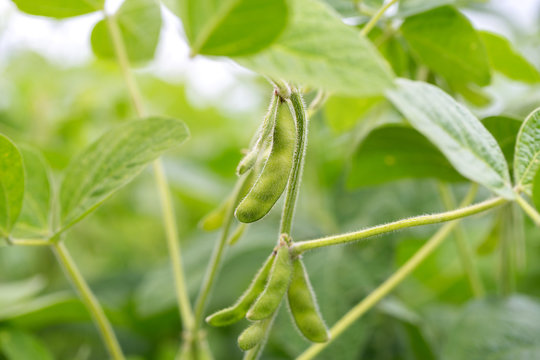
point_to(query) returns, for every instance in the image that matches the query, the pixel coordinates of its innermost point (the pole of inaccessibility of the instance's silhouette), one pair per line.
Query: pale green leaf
(445, 40)
(342, 112)
(11, 185)
(113, 161)
(496, 329)
(469, 147)
(413, 7)
(59, 8)
(231, 27)
(19, 345)
(35, 214)
(527, 153)
(397, 152)
(505, 59)
(139, 22)
(319, 50)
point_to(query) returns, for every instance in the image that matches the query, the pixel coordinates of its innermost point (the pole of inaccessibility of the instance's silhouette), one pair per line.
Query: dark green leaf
(59, 8)
(113, 161)
(527, 154)
(139, 23)
(536, 190)
(505, 59)
(447, 43)
(505, 130)
(319, 50)
(459, 135)
(231, 27)
(11, 184)
(18, 345)
(396, 152)
(496, 329)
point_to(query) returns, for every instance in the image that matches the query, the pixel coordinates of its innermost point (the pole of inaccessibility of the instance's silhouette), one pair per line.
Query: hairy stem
(386, 287)
(303, 246)
(464, 251)
(89, 299)
(167, 208)
(375, 18)
(297, 106)
(529, 210)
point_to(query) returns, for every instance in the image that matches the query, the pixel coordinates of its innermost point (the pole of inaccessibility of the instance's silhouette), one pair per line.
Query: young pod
(252, 336)
(238, 311)
(274, 176)
(278, 282)
(215, 219)
(303, 305)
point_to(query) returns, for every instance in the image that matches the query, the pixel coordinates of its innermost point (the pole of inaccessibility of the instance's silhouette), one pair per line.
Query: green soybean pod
(238, 311)
(278, 282)
(253, 335)
(303, 305)
(274, 176)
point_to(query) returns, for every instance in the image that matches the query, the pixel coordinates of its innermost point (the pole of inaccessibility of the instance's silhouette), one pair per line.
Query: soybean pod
(274, 176)
(253, 335)
(303, 305)
(278, 282)
(238, 311)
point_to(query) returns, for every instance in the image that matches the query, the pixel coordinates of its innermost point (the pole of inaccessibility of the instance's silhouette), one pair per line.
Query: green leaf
(342, 112)
(447, 43)
(18, 345)
(527, 153)
(35, 214)
(113, 161)
(59, 8)
(319, 50)
(496, 329)
(231, 27)
(505, 130)
(139, 22)
(505, 59)
(413, 7)
(397, 152)
(469, 147)
(11, 185)
(536, 190)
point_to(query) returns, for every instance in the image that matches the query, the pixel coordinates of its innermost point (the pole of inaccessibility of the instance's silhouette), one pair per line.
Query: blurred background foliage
(60, 109)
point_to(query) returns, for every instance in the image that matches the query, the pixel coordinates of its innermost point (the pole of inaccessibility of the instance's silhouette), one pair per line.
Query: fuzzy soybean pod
(276, 287)
(238, 311)
(253, 335)
(274, 176)
(303, 305)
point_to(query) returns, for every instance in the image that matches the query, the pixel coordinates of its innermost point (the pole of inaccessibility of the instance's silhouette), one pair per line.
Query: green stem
(464, 251)
(375, 18)
(529, 210)
(297, 106)
(386, 287)
(303, 246)
(89, 299)
(29, 242)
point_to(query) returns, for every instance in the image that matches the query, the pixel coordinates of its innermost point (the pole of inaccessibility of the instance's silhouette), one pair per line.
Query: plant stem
(386, 287)
(302, 246)
(89, 299)
(297, 107)
(29, 242)
(529, 210)
(464, 251)
(375, 18)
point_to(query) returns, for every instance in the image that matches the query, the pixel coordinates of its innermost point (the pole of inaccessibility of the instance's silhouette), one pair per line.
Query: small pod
(303, 305)
(238, 311)
(252, 335)
(216, 218)
(278, 282)
(274, 176)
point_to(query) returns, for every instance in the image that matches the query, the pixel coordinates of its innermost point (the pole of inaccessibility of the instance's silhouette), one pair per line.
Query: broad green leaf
(139, 22)
(505, 59)
(469, 147)
(342, 112)
(59, 8)
(397, 152)
(496, 329)
(11, 185)
(35, 212)
(413, 7)
(536, 190)
(231, 27)
(16, 291)
(472, 93)
(445, 40)
(113, 161)
(505, 130)
(527, 153)
(19, 345)
(319, 50)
